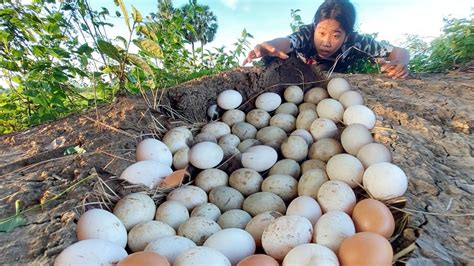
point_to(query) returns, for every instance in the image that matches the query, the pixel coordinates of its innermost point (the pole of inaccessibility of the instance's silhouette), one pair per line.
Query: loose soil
(426, 120)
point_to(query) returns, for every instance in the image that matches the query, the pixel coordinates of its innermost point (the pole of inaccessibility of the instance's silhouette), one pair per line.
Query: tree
(203, 21)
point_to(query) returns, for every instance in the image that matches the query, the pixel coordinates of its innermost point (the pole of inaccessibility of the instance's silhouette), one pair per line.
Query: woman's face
(328, 37)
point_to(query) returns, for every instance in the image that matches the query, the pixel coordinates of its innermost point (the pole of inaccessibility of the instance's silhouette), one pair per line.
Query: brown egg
(365, 248)
(371, 215)
(144, 258)
(258, 259)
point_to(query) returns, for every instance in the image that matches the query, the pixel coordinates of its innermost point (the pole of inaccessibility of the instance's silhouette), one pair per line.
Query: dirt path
(427, 121)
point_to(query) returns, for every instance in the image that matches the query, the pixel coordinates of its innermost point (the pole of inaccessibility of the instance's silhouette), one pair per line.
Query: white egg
(229, 99)
(258, 118)
(293, 94)
(204, 136)
(170, 246)
(338, 86)
(315, 95)
(228, 239)
(177, 138)
(324, 149)
(385, 181)
(201, 256)
(101, 224)
(172, 213)
(229, 139)
(207, 210)
(304, 134)
(189, 195)
(295, 148)
(149, 173)
(311, 254)
(305, 206)
(286, 122)
(311, 181)
(91, 252)
(247, 143)
(330, 109)
(181, 158)
(153, 149)
(346, 168)
(332, 228)
(313, 164)
(246, 181)
(226, 198)
(205, 155)
(198, 229)
(323, 128)
(285, 186)
(306, 106)
(373, 153)
(336, 195)
(305, 119)
(135, 208)
(244, 130)
(268, 101)
(217, 129)
(230, 117)
(286, 167)
(262, 202)
(211, 178)
(287, 108)
(355, 136)
(359, 114)
(350, 98)
(271, 136)
(285, 233)
(259, 158)
(143, 233)
(257, 224)
(212, 112)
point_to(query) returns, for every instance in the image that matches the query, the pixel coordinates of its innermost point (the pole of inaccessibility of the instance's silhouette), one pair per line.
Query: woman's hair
(340, 10)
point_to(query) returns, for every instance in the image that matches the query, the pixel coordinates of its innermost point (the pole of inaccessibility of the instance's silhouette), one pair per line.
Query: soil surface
(426, 121)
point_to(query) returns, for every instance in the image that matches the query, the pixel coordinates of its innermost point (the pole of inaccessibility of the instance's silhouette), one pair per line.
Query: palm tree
(203, 24)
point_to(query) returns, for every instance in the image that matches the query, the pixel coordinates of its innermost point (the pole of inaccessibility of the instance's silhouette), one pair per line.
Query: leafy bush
(453, 48)
(55, 58)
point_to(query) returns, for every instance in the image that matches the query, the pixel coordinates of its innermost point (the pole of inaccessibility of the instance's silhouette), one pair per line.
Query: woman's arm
(396, 64)
(278, 47)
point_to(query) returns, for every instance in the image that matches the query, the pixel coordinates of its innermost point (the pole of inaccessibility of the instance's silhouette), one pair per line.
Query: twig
(411, 211)
(68, 189)
(404, 252)
(43, 162)
(110, 127)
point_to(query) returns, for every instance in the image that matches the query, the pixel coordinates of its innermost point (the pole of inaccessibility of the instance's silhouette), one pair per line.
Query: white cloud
(232, 4)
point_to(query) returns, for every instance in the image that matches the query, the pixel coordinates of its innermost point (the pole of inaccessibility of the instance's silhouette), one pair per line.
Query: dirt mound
(427, 121)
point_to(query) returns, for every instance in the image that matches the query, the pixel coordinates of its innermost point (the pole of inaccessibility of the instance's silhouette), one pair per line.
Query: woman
(330, 41)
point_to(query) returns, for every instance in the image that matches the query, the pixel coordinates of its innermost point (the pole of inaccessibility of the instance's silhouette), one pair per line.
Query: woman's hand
(393, 69)
(277, 48)
(396, 64)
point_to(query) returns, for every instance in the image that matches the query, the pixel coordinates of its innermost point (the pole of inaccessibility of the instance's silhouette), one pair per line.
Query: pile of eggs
(289, 197)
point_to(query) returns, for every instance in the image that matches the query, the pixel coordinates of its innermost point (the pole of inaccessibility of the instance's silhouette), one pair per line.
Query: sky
(269, 19)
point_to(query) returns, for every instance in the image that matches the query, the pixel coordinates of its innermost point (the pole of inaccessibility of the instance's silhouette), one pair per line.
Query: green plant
(453, 48)
(203, 21)
(296, 22)
(40, 62)
(56, 58)
(363, 66)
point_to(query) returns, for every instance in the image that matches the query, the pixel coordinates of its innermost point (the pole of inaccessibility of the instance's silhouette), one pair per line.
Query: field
(426, 120)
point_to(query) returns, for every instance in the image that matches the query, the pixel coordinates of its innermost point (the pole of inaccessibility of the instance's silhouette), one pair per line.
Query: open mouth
(324, 53)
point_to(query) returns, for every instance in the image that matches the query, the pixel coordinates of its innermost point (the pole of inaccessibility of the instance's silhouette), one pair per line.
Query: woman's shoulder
(356, 37)
(366, 43)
